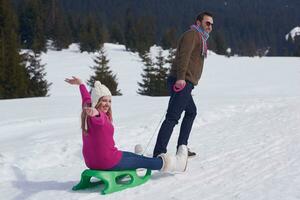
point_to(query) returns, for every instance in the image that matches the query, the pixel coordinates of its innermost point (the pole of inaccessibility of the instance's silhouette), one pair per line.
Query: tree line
(248, 28)
(21, 73)
(33, 24)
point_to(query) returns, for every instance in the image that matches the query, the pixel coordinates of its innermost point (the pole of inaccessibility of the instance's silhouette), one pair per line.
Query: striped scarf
(204, 35)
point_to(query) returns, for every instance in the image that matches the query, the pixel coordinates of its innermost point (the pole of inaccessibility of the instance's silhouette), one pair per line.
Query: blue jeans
(133, 161)
(179, 102)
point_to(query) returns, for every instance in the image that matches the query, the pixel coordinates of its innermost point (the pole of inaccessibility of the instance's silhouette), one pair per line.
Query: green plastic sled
(113, 180)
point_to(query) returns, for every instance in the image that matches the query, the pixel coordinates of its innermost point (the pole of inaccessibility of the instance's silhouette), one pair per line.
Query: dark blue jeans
(133, 161)
(179, 102)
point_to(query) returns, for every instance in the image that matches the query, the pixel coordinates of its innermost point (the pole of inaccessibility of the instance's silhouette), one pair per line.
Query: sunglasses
(209, 24)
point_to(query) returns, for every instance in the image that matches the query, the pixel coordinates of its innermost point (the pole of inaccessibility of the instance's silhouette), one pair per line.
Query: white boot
(181, 157)
(169, 162)
(176, 163)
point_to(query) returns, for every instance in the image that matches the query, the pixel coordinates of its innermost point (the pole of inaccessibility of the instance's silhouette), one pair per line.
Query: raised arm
(85, 95)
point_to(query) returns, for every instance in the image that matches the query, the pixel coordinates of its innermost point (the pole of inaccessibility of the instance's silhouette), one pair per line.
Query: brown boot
(191, 153)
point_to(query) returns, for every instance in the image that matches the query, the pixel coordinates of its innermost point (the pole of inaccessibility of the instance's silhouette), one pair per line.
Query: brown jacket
(188, 63)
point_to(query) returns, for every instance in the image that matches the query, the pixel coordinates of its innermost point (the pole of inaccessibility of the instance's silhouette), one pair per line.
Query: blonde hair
(84, 125)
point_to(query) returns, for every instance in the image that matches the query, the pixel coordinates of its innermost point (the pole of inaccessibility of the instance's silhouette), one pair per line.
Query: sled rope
(158, 125)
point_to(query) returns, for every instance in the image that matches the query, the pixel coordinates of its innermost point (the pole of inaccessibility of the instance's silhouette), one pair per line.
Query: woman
(99, 149)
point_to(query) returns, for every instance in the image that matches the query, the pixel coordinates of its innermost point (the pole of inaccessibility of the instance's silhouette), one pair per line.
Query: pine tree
(171, 56)
(139, 33)
(13, 79)
(251, 49)
(38, 85)
(116, 35)
(292, 46)
(103, 34)
(2, 56)
(154, 76)
(161, 76)
(289, 46)
(58, 29)
(89, 39)
(32, 25)
(220, 43)
(297, 46)
(73, 21)
(145, 29)
(148, 76)
(211, 43)
(2, 48)
(62, 33)
(104, 74)
(130, 31)
(169, 39)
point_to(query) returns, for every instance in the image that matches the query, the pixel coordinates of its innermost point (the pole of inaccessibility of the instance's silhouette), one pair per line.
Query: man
(184, 75)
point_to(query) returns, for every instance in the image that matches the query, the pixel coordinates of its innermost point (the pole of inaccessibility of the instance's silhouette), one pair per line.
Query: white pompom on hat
(99, 91)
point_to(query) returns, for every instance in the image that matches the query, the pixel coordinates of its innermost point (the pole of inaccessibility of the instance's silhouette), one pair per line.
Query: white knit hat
(99, 91)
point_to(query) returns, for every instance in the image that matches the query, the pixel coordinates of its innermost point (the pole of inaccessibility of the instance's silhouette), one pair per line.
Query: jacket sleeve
(186, 47)
(98, 120)
(85, 96)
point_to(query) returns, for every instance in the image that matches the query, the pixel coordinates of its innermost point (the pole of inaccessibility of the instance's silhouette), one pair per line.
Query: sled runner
(113, 180)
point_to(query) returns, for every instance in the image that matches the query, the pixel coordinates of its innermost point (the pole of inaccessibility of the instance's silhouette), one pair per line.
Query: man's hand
(179, 85)
(73, 81)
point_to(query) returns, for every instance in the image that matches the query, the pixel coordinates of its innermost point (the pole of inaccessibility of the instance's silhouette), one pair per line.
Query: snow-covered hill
(247, 132)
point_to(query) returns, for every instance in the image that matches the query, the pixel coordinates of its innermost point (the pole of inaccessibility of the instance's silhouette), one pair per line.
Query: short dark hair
(201, 15)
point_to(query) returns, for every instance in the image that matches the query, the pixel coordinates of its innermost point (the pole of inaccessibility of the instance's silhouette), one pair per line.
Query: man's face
(206, 23)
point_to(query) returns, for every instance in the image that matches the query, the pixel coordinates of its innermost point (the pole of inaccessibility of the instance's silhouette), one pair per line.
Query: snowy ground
(247, 132)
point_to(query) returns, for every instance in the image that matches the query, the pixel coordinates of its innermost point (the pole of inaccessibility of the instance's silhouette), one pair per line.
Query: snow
(246, 134)
(293, 33)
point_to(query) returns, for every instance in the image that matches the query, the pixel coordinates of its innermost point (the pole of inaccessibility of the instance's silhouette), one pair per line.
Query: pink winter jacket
(99, 149)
